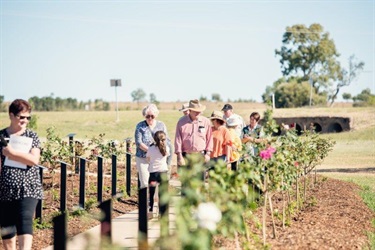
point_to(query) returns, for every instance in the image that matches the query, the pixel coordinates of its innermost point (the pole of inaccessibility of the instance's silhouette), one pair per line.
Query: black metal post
(128, 167)
(63, 187)
(106, 221)
(71, 146)
(82, 182)
(100, 179)
(114, 175)
(142, 219)
(59, 232)
(39, 206)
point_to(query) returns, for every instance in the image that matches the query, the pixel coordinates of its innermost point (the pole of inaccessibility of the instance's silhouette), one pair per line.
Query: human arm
(209, 142)
(178, 146)
(30, 159)
(139, 136)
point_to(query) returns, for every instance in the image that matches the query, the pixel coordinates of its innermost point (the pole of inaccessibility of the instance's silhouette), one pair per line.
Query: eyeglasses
(21, 117)
(150, 116)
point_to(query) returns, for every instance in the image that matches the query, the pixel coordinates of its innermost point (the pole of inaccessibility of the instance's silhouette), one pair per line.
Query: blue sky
(177, 50)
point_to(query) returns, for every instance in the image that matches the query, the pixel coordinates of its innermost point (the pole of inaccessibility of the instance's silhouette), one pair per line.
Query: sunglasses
(21, 117)
(150, 116)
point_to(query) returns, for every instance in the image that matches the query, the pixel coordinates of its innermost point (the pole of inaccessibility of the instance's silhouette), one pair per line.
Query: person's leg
(233, 166)
(25, 241)
(151, 188)
(163, 188)
(9, 244)
(8, 224)
(143, 174)
(24, 224)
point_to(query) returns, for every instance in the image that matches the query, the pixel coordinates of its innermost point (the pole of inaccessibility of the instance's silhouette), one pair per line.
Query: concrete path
(124, 230)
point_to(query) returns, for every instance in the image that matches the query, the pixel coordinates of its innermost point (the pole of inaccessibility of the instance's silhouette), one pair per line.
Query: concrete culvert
(334, 128)
(317, 128)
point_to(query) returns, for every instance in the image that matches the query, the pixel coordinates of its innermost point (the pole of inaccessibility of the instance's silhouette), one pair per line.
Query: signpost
(116, 83)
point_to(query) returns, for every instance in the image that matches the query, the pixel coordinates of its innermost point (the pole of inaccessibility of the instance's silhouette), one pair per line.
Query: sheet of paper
(20, 144)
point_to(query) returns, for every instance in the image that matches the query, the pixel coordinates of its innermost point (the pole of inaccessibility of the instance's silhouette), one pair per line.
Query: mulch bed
(334, 217)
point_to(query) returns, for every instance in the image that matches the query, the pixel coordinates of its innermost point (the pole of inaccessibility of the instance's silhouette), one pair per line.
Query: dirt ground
(335, 217)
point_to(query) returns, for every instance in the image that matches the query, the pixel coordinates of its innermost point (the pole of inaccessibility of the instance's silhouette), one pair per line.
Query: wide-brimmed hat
(184, 107)
(227, 107)
(196, 106)
(217, 115)
(233, 121)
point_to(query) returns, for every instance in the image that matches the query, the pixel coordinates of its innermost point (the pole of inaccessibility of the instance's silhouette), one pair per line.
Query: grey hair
(152, 109)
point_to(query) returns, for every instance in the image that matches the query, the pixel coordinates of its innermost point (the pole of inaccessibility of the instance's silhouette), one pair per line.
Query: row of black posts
(60, 221)
(82, 171)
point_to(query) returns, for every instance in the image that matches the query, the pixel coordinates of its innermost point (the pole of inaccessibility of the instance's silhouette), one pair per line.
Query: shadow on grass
(346, 170)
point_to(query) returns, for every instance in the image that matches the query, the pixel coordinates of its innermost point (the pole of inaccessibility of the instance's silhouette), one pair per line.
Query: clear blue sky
(178, 50)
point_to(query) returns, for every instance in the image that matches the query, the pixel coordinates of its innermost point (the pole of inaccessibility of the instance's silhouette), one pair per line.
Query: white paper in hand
(21, 144)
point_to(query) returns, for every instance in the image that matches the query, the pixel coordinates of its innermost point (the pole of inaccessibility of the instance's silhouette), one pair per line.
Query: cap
(227, 107)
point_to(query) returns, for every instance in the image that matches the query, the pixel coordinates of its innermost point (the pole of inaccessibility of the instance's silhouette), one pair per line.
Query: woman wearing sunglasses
(20, 184)
(144, 133)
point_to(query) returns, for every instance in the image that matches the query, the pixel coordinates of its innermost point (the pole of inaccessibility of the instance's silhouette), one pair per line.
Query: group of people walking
(222, 136)
(218, 137)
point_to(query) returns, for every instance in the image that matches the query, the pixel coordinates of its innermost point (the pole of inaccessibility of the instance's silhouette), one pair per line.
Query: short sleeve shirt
(144, 134)
(17, 183)
(158, 162)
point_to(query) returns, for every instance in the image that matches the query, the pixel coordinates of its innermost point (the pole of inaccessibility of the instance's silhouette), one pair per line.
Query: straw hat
(217, 115)
(196, 106)
(184, 107)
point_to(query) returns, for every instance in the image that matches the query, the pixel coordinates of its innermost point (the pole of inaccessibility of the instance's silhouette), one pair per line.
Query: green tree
(347, 96)
(347, 77)
(309, 52)
(138, 95)
(2, 106)
(216, 97)
(365, 98)
(293, 94)
(202, 98)
(153, 99)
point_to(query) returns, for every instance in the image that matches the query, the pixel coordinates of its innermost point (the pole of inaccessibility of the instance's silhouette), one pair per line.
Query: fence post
(128, 166)
(71, 146)
(106, 221)
(63, 187)
(100, 179)
(39, 206)
(59, 232)
(142, 219)
(114, 175)
(82, 182)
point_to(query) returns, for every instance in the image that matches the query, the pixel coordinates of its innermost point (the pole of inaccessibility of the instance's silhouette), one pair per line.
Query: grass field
(354, 149)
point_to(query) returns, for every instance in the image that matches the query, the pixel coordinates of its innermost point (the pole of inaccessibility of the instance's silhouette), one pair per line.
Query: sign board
(115, 82)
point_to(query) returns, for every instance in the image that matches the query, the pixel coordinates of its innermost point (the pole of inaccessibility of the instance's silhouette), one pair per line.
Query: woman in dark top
(20, 185)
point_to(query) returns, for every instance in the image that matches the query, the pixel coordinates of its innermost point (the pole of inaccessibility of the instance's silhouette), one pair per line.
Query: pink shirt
(193, 136)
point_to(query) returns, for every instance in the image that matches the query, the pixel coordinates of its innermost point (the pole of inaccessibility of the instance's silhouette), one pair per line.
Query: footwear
(150, 215)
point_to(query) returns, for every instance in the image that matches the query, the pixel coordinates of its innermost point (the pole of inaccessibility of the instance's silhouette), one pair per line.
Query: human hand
(206, 158)
(8, 151)
(180, 161)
